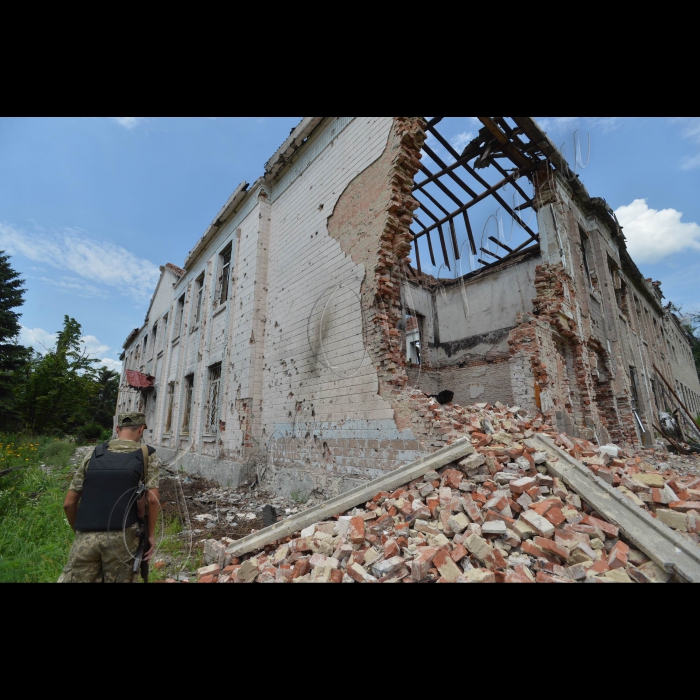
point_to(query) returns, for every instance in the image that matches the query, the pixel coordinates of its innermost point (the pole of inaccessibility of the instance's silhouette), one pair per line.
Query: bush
(89, 432)
(106, 435)
(56, 453)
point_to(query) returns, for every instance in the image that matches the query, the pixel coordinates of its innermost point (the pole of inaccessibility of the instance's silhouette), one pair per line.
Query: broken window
(145, 343)
(169, 407)
(180, 315)
(225, 274)
(155, 337)
(200, 295)
(214, 399)
(189, 390)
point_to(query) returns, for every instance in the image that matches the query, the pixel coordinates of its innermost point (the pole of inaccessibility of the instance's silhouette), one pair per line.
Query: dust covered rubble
(496, 516)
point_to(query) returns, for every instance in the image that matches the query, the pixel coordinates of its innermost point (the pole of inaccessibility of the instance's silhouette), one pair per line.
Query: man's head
(130, 426)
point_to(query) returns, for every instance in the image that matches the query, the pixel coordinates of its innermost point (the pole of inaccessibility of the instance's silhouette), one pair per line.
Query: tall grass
(34, 535)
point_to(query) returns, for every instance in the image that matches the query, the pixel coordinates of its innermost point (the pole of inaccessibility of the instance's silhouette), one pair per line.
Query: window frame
(214, 399)
(187, 405)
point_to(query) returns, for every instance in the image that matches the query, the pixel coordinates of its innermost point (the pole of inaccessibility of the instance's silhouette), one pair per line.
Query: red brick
(546, 578)
(555, 516)
(391, 548)
(452, 478)
(336, 576)
(618, 555)
(301, 568)
(531, 549)
(356, 533)
(607, 528)
(513, 577)
(684, 506)
(458, 553)
(553, 547)
(207, 579)
(600, 567)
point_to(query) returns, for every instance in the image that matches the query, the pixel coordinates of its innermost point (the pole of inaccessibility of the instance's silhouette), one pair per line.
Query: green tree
(13, 357)
(59, 393)
(104, 402)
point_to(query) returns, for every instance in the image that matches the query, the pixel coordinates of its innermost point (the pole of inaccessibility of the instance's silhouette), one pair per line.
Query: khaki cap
(133, 419)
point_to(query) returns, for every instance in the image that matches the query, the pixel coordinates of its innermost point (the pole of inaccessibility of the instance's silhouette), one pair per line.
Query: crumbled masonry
(496, 516)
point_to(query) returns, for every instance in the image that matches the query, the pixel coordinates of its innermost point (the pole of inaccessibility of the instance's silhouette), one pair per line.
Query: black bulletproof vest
(111, 479)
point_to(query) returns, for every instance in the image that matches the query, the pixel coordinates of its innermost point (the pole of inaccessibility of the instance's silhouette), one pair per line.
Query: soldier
(101, 508)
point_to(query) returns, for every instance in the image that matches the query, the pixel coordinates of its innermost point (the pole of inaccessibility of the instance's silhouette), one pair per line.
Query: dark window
(180, 315)
(200, 295)
(169, 406)
(225, 274)
(189, 390)
(214, 400)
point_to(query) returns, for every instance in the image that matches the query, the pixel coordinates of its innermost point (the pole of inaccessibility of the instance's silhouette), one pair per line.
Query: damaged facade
(299, 342)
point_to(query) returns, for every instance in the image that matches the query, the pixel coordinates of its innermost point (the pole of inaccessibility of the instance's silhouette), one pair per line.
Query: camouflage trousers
(102, 557)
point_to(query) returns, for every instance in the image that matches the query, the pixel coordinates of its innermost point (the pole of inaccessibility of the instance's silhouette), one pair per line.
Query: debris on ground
(496, 516)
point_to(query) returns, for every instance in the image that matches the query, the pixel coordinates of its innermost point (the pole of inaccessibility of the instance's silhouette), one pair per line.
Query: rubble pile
(496, 516)
(671, 495)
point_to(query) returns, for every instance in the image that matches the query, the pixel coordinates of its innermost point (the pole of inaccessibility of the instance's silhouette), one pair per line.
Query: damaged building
(374, 265)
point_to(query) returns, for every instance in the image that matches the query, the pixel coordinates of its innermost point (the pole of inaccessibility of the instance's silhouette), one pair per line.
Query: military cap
(132, 419)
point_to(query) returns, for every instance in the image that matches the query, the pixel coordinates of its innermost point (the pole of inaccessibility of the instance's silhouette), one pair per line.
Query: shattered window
(225, 274)
(214, 399)
(200, 295)
(189, 387)
(169, 404)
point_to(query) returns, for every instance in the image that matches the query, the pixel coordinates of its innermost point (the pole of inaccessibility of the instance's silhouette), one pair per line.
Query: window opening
(225, 274)
(169, 414)
(200, 294)
(189, 387)
(180, 315)
(155, 338)
(214, 399)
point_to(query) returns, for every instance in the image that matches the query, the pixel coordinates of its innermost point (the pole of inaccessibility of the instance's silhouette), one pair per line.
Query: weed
(299, 497)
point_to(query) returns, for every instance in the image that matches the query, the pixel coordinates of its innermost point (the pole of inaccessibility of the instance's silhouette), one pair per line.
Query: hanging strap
(144, 452)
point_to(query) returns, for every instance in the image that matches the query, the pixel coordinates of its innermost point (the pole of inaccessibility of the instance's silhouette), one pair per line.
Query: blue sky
(90, 207)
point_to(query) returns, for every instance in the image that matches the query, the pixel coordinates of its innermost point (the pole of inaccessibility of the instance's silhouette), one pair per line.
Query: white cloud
(114, 365)
(103, 263)
(459, 141)
(43, 341)
(93, 346)
(37, 338)
(128, 122)
(655, 234)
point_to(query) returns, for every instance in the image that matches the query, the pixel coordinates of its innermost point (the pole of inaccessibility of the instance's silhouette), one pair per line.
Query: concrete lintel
(660, 543)
(353, 498)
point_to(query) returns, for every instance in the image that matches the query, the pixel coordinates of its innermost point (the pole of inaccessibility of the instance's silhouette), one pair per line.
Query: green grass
(34, 535)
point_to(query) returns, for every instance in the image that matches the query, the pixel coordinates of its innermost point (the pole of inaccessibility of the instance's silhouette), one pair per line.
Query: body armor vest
(111, 480)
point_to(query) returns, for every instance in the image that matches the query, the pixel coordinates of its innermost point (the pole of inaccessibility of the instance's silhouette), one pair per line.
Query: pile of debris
(496, 516)
(671, 495)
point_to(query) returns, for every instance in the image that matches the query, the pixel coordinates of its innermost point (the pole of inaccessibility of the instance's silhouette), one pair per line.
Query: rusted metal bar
(444, 247)
(503, 245)
(415, 243)
(514, 154)
(430, 243)
(453, 233)
(476, 200)
(488, 252)
(481, 181)
(469, 232)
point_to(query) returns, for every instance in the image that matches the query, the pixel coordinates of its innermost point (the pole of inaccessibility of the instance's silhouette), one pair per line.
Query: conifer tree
(13, 357)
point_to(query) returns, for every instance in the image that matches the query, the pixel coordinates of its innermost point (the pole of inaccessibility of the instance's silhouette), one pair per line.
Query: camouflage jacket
(151, 476)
